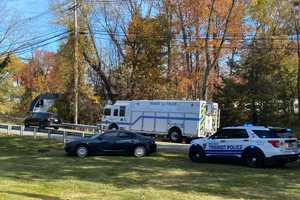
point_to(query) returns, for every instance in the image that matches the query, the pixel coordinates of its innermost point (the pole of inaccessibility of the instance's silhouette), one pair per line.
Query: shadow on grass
(30, 195)
(21, 160)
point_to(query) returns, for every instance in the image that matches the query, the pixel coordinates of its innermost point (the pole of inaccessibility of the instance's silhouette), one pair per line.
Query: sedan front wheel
(82, 152)
(139, 151)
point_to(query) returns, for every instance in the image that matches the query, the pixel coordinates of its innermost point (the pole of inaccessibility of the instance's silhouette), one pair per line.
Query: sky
(36, 20)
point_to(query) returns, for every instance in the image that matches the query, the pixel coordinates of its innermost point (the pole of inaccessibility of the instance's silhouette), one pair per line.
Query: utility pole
(76, 73)
(296, 10)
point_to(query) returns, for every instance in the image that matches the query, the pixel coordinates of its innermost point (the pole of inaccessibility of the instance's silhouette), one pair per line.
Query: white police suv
(256, 145)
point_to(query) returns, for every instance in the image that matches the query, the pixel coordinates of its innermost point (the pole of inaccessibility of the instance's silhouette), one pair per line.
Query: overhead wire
(41, 42)
(38, 41)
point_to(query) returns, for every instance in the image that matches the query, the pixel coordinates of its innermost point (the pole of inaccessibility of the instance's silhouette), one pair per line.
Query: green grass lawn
(27, 173)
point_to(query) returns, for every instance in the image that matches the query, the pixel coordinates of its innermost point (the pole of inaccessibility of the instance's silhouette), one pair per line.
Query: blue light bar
(248, 124)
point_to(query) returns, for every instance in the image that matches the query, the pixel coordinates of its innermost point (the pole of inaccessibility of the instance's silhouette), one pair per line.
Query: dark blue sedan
(112, 142)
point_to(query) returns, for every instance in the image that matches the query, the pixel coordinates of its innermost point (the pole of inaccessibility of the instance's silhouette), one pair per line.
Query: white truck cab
(256, 145)
(175, 118)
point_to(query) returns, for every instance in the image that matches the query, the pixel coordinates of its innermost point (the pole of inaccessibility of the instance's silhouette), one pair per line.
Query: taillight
(275, 143)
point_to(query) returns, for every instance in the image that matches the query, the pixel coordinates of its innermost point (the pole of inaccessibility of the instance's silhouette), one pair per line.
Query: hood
(77, 140)
(199, 141)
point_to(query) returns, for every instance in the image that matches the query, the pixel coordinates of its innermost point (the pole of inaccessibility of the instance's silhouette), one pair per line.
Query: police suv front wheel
(196, 154)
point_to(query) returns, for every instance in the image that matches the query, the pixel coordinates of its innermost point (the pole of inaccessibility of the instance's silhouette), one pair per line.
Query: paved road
(59, 135)
(172, 147)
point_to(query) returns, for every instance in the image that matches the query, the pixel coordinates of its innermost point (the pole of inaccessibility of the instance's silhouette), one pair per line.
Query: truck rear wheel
(175, 135)
(113, 127)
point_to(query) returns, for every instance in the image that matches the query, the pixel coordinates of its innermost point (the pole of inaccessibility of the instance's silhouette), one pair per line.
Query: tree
(87, 101)
(262, 87)
(10, 90)
(296, 30)
(145, 57)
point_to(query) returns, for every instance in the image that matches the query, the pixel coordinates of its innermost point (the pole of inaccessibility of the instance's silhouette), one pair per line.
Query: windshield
(107, 111)
(95, 136)
(266, 134)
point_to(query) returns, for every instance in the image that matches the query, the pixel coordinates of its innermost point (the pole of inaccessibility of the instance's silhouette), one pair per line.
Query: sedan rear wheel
(139, 151)
(82, 152)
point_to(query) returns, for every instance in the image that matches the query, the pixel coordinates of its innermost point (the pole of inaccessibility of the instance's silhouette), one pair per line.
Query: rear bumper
(283, 158)
(70, 149)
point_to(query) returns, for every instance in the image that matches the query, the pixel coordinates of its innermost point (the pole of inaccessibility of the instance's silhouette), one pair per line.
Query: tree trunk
(207, 54)
(187, 54)
(253, 112)
(104, 80)
(212, 63)
(298, 80)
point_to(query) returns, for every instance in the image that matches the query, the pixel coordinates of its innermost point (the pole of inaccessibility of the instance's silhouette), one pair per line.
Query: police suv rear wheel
(196, 154)
(254, 159)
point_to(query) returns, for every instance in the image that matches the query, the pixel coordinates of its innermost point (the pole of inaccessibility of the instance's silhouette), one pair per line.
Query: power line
(38, 40)
(233, 37)
(44, 42)
(46, 13)
(41, 45)
(242, 46)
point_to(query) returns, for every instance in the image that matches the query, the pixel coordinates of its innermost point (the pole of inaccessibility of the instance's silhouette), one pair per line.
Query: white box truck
(174, 118)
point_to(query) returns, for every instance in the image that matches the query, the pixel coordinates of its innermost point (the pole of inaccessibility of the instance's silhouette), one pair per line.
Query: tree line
(243, 54)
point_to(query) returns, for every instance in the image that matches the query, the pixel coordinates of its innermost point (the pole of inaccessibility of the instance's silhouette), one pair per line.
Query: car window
(116, 112)
(230, 134)
(266, 134)
(40, 103)
(110, 135)
(54, 115)
(107, 111)
(39, 115)
(43, 115)
(218, 135)
(122, 111)
(125, 135)
(283, 132)
(236, 133)
(96, 136)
